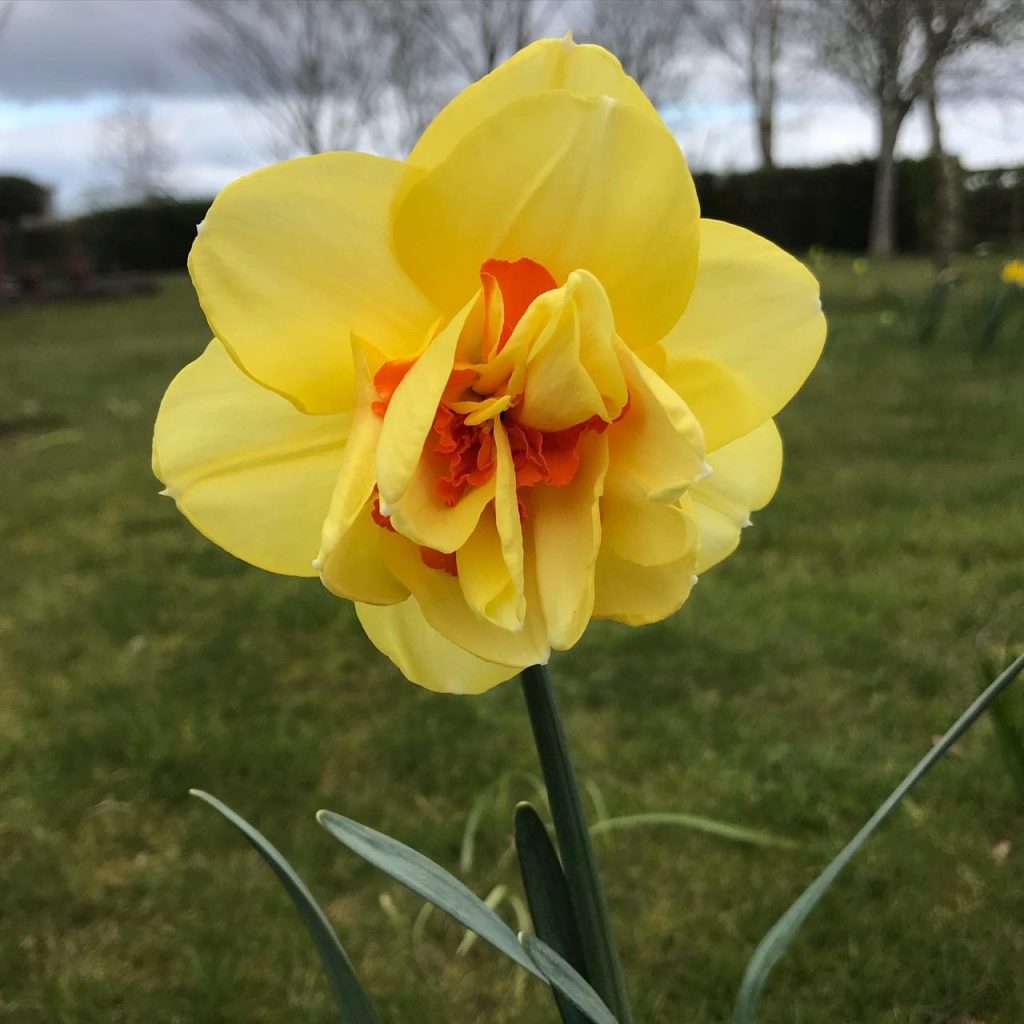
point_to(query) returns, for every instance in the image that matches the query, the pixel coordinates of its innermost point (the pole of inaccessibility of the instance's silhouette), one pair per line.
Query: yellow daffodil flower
(1013, 273)
(489, 393)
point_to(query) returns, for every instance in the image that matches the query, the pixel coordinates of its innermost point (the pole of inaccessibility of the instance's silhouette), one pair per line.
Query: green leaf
(563, 977)
(574, 843)
(710, 826)
(547, 894)
(777, 941)
(493, 899)
(428, 880)
(353, 1003)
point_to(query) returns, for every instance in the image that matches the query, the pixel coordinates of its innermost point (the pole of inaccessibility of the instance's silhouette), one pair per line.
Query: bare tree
(436, 47)
(872, 46)
(752, 36)
(955, 31)
(309, 65)
(475, 36)
(134, 153)
(894, 52)
(647, 36)
(6, 9)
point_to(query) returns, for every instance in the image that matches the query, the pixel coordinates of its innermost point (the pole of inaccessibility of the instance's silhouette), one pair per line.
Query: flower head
(492, 392)
(1013, 273)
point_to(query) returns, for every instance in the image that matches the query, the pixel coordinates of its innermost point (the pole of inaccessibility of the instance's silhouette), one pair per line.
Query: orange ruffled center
(467, 450)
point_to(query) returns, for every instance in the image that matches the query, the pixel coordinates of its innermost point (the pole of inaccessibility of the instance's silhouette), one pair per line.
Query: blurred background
(881, 141)
(152, 106)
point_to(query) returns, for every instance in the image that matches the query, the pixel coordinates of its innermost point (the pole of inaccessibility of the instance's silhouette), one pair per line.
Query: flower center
(486, 390)
(460, 436)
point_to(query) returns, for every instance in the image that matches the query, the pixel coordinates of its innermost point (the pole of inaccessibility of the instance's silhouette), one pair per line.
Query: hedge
(154, 236)
(796, 207)
(21, 198)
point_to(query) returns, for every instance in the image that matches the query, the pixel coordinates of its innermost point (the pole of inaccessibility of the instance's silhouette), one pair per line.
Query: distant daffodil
(1013, 273)
(509, 385)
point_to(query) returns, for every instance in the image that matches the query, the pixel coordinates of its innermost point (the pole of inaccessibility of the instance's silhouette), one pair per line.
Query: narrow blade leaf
(777, 941)
(563, 977)
(710, 826)
(547, 895)
(428, 880)
(353, 1003)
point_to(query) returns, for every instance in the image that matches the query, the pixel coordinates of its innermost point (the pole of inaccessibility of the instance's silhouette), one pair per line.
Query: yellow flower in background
(1013, 273)
(489, 393)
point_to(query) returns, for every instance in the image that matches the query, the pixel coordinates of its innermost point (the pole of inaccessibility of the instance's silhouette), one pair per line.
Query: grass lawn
(793, 691)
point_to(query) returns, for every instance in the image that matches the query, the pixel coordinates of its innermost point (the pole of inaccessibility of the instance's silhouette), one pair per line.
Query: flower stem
(578, 861)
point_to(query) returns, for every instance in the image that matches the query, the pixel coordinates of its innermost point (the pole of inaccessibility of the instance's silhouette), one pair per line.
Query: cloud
(53, 50)
(65, 63)
(211, 140)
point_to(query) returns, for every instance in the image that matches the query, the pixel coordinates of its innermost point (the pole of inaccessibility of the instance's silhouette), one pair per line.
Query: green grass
(790, 695)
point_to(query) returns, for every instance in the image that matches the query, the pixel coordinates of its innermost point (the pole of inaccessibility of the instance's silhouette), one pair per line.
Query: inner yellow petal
(413, 407)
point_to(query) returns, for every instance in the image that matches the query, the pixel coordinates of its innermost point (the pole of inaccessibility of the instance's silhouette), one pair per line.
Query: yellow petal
(745, 474)
(486, 585)
(291, 258)
(425, 657)
(444, 606)
(251, 472)
(646, 532)
(572, 372)
(412, 409)
(568, 181)
(566, 527)
(507, 518)
(640, 594)
(657, 448)
(422, 516)
(357, 476)
(546, 64)
(751, 334)
(491, 564)
(355, 566)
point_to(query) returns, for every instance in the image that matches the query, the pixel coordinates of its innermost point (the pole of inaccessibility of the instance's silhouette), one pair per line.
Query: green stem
(578, 861)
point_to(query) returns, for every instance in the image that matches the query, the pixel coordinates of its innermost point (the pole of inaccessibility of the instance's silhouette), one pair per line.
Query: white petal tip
(705, 471)
(385, 508)
(747, 522)
(693, 581)
(317, 564)
(167, 493)
(199, 226)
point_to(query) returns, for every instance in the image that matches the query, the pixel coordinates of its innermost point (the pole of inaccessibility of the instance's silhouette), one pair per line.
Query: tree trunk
(765, 138)
(882, 235)
(762, 58)
(946, 212)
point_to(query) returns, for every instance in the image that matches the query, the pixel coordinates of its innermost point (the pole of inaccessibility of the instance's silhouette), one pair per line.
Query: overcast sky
(64, 64)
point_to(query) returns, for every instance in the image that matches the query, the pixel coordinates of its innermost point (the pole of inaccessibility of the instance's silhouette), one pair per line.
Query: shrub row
(151, 237)
(798, 207)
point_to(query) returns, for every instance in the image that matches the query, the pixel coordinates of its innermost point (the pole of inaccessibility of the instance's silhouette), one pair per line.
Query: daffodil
(1013, 273)
(494, 391)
